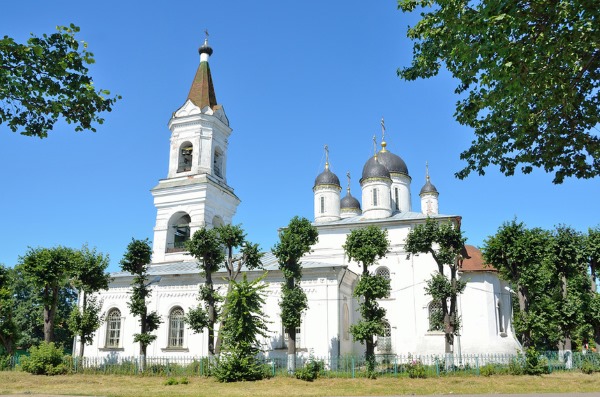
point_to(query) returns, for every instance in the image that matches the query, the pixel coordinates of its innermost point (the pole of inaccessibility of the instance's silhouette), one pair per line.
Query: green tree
(242, 328)
(294, 242)
(9, 333)
(445, 243)
(47, 79)
(365, 246)
(232, 237)
(88, 276)
(529, 79)
(206, 247)
(135, 261)
(47, 270)
(592, 244)
(522, 257)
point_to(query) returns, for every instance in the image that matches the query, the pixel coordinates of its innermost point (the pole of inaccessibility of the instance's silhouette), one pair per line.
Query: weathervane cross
(348, 176)
(206, 33)
(382, 129)
(326, 155)
(374, 145)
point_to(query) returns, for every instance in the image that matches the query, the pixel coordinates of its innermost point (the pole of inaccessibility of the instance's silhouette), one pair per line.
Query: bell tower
(195, 193)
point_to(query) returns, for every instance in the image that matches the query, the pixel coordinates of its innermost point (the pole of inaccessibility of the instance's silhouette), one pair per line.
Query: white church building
(195, 194)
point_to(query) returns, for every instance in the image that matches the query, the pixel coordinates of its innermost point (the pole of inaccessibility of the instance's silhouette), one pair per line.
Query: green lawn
(119, 385)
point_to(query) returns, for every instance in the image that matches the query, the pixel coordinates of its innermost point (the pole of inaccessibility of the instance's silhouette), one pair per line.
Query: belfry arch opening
(178, 232)
(185, 157)
(218, 162)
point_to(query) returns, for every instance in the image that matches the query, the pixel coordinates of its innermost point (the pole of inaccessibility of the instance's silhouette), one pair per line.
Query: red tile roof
(474, 262)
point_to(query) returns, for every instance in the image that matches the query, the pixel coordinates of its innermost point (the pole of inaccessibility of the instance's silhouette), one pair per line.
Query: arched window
(180, 232)
(322, 200)
(436, 316)
(500, 318)
(176, 326)
(185, 157)
(384, 342)
(383, 272)
(374, 197)
(113, 328)
(397, 199)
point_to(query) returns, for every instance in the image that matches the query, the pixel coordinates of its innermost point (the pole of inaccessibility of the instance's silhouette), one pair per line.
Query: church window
(185, 157)
(396, 199)
(179, 232)
(346, 322)
(113, 328)
(383, 272)
(375, 197)
(322, 200)
(436, 316)
(218, 163)
(176, 327)
(298, 338)
(500, 318)
(384, 341)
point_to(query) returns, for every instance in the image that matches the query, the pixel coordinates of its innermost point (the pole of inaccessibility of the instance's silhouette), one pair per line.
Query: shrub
(184, 381)
(487, 370)
(415, 369)
(46, 359)
(171, 381)
(237, 366)
(6, 362)
(310, 371)
(534, 364)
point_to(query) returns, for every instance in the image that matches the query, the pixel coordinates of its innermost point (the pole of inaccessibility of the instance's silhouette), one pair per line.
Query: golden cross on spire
(348, 176)
(382, 129)
(326, 156)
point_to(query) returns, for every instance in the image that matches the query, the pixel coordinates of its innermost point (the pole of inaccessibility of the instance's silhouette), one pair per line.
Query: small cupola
(327, 194)
(349, 206)
(429, 196)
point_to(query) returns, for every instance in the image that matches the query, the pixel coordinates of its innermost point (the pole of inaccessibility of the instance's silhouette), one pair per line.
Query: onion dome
(205, 48)
(428, 187)
(349, 203)
(374, 169)
(392, 162)
(327, 178)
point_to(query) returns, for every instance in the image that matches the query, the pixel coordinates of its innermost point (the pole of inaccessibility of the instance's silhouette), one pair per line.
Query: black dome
(393, 163)
(374, 169)
(428, 188)
(349, 202)
(327, 178)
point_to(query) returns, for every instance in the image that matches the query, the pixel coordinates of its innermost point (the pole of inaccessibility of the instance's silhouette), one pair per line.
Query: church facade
(195, 194)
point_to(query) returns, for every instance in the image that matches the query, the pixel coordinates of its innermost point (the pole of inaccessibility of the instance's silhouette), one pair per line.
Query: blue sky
(292, 76)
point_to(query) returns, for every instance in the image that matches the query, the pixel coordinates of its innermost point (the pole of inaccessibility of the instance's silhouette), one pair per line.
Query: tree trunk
(222, 321)
(567, 333)
(143, 346)
(212, 315)
(370, 355)
(523, 308)
(50, 314)
(291, 349)
(81, 336)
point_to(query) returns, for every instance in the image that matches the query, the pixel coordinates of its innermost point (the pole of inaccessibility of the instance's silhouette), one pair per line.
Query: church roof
(327, 178)
(202, 92)
(269, 262)
(393, 163)
(374, 169)
(474, 261)
(398, 217)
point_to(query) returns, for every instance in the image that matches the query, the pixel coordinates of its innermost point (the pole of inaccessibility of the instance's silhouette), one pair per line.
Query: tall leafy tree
(206, 247)
(47, 270)
(366, 246)
(88, 276)
(46, 79)
(294, 242)
(445, 243)
(529, 78)
(521, 256)
(232, 238)
(242, 329)
(592, 248)
(135, 261)
(9, 333)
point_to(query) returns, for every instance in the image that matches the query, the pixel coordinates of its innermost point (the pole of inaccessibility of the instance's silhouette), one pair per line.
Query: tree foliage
(47, 270)
(366, 246)
(548, 270)
(242, 329)
(46, 79)
(445, 243)
(529, 75)
(135, 261)
(9, 333)
(294, 242)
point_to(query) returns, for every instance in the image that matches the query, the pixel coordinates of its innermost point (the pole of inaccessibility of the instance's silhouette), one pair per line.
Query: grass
(15, 382)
